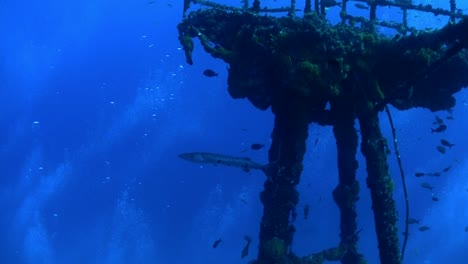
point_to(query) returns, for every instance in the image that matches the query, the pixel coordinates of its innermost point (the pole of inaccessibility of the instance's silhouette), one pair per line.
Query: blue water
(96, 101)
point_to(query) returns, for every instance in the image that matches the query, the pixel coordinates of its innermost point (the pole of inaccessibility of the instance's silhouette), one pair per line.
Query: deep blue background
(96, 101)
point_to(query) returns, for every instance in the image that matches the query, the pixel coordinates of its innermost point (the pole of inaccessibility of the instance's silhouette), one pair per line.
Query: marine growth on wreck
(293, 61)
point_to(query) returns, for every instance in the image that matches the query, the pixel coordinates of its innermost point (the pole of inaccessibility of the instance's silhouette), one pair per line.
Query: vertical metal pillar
(346, 194)
(374, 148)
(280, 196)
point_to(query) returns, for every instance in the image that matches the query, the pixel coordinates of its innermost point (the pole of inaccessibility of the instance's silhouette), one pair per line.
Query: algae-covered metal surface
(295, 62)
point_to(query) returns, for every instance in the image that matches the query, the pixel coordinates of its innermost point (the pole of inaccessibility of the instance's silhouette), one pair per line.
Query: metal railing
(351, 11)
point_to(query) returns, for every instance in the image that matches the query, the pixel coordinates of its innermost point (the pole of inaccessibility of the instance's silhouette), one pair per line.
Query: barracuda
(245, 163)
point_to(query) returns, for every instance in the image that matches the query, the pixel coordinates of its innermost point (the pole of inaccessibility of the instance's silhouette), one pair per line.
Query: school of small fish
(442, 148)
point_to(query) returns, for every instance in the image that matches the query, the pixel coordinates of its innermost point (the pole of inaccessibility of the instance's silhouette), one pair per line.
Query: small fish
(316, 141)
(256, 146)
(306, 211)
(361, 6)
(419, 174)
(441, 149)
(446, 169)
(438, 121)
(424, 228)
(466, 228)
(440, 128)
(293, 215)
(449, 117)
(412, 221)
(426, 185)
(216, 243)
(245, 251)
(243, 200)
(435, 198)
(210, 73)
(446, 143)
(387, 150)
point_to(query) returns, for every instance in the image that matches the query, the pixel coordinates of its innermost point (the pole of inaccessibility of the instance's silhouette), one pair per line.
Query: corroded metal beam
(380, 183)
(346, 194)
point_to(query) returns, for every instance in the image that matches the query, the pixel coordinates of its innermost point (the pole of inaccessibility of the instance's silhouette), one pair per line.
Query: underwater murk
(120, 144)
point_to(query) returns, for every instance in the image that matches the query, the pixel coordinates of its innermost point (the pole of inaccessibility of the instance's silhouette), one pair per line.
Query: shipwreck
(306, 69)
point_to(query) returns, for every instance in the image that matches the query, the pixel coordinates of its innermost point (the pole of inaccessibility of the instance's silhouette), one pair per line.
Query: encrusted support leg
(346, 194)
(374, 148)
(280, 196)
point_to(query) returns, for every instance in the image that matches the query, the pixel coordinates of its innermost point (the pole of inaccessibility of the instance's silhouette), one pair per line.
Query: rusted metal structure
(306, 70)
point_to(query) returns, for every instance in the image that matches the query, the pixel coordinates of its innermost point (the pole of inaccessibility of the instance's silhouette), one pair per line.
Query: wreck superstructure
(307, 70)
